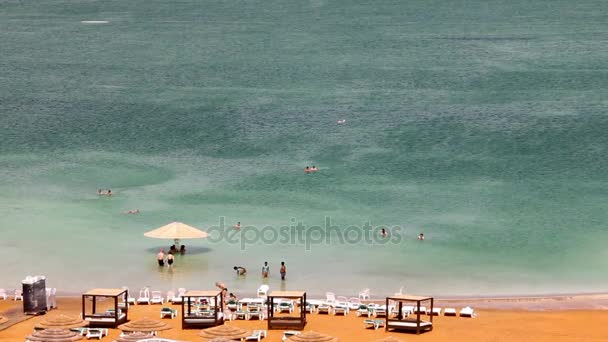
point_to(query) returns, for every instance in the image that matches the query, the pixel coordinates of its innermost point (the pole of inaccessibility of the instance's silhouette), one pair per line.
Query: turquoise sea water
(481, 123)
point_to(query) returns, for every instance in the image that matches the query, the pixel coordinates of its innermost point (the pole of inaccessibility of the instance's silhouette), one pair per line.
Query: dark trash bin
(34, 295)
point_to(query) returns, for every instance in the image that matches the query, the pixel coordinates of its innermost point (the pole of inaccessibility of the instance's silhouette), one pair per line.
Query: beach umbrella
(54, 335)
(176, 231)
(389, 339)
(3, 319)
(145, 325)
(312, 336)
(62, 322)
(224, 331)
(135, 336)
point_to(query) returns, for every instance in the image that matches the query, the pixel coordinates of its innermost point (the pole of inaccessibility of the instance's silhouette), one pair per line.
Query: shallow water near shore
(481, 125)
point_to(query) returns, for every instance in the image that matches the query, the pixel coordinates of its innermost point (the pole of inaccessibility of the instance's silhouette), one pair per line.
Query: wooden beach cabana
(405, 323)
(196, 314)
(287, 322)
(112, 316)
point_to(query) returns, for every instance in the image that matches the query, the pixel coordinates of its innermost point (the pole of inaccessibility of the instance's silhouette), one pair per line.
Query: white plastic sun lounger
(467, 312)
(354, 303)
(373, 323)
(435, 312)
(449, 312)
(144, 296)
(257, 335)
(157, 298)
(364, 294)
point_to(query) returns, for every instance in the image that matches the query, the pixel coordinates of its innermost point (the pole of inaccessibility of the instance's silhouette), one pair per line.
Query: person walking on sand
(283, 270)
(265, 270)
(160, 257)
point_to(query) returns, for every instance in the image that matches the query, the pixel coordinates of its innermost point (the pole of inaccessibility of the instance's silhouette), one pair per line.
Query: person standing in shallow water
(160, 257)
(265, 270)
(283, 270)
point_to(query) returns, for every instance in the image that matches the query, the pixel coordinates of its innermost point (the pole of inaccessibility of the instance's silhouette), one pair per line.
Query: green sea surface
(480, 123)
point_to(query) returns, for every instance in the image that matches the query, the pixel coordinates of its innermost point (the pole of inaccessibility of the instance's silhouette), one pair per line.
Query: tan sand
(490, 325)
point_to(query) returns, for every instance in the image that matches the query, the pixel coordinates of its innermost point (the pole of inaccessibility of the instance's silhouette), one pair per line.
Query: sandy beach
(571, 318)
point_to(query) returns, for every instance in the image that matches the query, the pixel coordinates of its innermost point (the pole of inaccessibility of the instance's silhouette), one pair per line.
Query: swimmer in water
(132, 211)
(240, 270)
(314, 168)
(420, 236)
(340, 122)
(383, 232)
(307, 170)
(237, 225)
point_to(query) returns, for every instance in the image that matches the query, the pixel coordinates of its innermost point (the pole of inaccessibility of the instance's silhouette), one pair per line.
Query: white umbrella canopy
(176, 231)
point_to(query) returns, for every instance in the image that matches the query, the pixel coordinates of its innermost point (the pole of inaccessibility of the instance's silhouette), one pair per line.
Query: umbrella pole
(176, 243)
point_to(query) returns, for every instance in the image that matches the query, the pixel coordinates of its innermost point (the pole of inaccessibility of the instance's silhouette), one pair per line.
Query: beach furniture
(341, 306)
(421, 310)
(51, 298)
(96, 333)
(168, 312)
(130, 300)
(296, 319)
(379, 311)
(407, 310)
(405, 323)
(157, 298)
(364, 310)
(285, 306)
(194, 318)
(323, 308)
(3, 294)
(255, 311)
(80, 330)
(111, 317)
(18, 295)
(364, 294)
(467, 312)
(256, 335)
(330, 297)
(176, 299)
(310, 307)
(263, 291)
(449, 312)
(144, 296)
(287, 334)
(354, 303)
(373, 323)
(435, 311)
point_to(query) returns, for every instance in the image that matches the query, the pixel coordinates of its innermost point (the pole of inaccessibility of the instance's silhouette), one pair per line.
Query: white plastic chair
(263, 291)
(18, 295)
(364, 294)
(130, 300)
(3, 294)
(257, 335)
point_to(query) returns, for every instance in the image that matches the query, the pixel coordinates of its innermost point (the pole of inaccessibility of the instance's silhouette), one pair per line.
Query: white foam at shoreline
(94, 22)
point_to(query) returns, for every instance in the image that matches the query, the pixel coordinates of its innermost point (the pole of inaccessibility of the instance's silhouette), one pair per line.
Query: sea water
(481, 124)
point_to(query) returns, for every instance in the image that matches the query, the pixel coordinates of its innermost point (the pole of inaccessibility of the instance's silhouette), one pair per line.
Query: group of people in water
(311, 169)
(241, 271)
(104, 192)
(169, 258)
(384, 233)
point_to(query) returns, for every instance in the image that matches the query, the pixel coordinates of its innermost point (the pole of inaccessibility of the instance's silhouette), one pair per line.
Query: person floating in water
(383, 232)
(132, 211)
(420, 236)
(314, 169)
(237, 225)
(101, 192)
(307, 170)
(240, 270)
